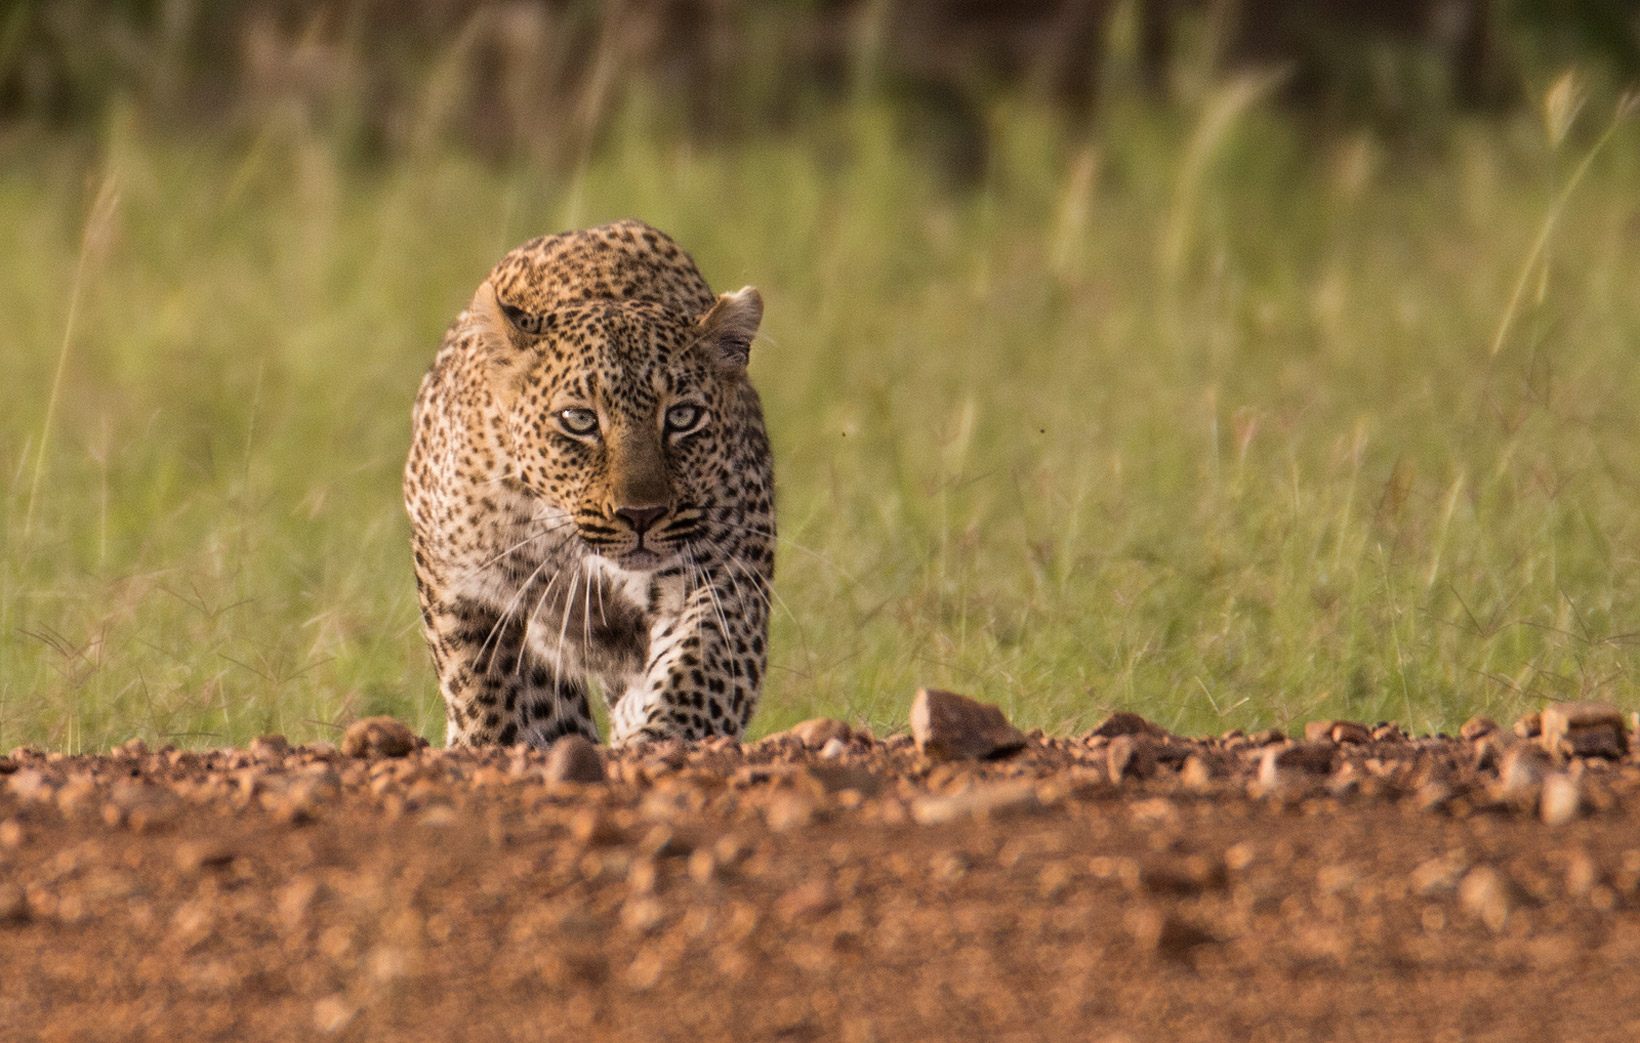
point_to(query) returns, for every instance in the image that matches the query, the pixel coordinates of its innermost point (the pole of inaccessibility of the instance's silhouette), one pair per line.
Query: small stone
(1131, 757)
(833, 749)
(1387, 731)
(1267, 737)
(7, 765)
(379, 737)
(1520, 771)
(1560, 801)
(1438, 876)
(1189, 875)
(1584, 729)
(1491, 747)
(703, 866)
(1196, 774)
(14, 907)
(642, 914)
(1124, 723)
(835, 778)
(807, 901)
(1529, 726)
(984, 800)
(1433, 795)
(269, 747)
(575, 759)
(789, 811)
(817, 732)
(1351, 732)
(1319, 731)
(333, 1013)
(1166, 935)
(1477, 727)
(948, 726)
(1313, 757)
(194, 855)
(1489, 894)
(592, 828)
(31, 785)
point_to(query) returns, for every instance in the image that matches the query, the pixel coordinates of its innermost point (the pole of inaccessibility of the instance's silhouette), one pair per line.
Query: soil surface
(1104, 887)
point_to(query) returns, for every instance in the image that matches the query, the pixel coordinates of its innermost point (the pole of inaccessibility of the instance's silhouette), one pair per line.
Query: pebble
(818, 731)
(1529, 726)
(1489, 894)
(987, 799)
(1477, 727)
(1196, 774)
(14, 908)
(833, 749)
(574, 759)
(1189, 875)
(1520, 771)
(1351, 732)
(379, 737)
(1319, 731)
(269, 747)
(1131, 757)
(31, 785)
(1584, 729)
(1560, 801)
(592, 828)
(1165, 934)
(948, 726)
(1124, 723)
(194, 855)
(1313, 757)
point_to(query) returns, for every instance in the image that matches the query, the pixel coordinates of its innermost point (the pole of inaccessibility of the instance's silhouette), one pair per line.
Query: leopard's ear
(728, 328)
(504, 341)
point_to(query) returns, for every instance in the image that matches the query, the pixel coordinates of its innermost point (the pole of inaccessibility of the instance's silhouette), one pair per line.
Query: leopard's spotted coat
(591, 496)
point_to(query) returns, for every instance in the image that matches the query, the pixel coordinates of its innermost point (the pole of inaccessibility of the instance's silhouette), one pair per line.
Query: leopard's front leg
(705, 666)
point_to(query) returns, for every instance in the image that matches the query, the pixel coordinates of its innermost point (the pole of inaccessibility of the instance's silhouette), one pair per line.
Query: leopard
(590, 487)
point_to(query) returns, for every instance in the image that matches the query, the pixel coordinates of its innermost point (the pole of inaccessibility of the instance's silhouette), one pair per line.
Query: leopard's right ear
(730, 325)
(505, 336)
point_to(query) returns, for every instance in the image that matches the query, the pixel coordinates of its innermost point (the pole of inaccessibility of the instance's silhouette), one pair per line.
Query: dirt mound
(1127, 884)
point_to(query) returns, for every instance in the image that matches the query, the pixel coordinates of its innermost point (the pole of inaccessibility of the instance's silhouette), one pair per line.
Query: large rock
(948, 726)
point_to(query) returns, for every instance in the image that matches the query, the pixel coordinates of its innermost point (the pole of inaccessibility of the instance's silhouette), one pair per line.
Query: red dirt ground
(1132, 888)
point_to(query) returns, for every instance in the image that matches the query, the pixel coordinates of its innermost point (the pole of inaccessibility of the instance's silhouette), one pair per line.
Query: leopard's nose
(641, 519)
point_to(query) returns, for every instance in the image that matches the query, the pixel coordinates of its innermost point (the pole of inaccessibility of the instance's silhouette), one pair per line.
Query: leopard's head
(621, 415)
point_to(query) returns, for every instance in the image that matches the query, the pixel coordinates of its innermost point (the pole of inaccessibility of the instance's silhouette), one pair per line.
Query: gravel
(1239, 887)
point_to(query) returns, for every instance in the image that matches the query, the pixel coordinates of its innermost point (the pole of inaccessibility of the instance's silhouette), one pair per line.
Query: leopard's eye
(578, 422)
(527, 323)
(683, 418)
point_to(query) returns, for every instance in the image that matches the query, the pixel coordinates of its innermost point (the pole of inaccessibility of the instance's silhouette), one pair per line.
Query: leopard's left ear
(730, 325)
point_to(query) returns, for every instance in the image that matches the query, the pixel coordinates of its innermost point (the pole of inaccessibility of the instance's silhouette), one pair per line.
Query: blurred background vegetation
(1233, 362)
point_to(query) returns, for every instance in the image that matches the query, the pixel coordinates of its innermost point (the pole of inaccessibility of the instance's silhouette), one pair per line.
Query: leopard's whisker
(563, 629)
(502, 618)
(711, 593)
(481, 566)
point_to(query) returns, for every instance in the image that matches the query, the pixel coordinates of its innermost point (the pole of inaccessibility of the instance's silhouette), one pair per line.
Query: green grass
(1195, 420)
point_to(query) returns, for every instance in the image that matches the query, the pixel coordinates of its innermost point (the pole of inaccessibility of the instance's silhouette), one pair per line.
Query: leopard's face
(621, 420)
